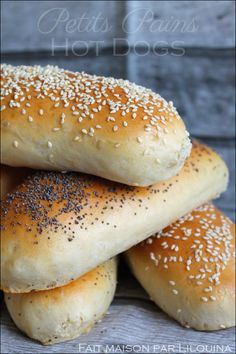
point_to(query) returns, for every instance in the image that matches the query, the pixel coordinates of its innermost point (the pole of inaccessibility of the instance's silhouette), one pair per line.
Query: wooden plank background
(137, 41)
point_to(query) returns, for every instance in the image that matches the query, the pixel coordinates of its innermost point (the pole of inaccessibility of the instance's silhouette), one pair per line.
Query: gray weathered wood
(200, 83)
(194, 23)
(38, 24)
(226, 149)
(200, 23)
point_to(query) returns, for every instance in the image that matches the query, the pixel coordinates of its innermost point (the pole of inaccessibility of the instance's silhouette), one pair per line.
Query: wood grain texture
(226, 149)
(64, 22)
(194, 23)
(201, 84)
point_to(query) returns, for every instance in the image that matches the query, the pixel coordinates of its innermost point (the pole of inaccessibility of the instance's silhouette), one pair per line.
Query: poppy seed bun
(56, 227)
(54, 119)
(65, 313)
(188, 269)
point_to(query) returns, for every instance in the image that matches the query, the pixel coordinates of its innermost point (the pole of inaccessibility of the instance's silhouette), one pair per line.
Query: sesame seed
(30, 119)
(49, 143)
(23, 111)
(84, 131)
(15, 143)
(204, 299)
(77, 138)
(139, 140)
(115, 128)
(171, 282)
(41, 112)
(98, 126)
(207, 290)
(148, 129)
(125, 124)
(111, 119)
(2, 108)
(174, 291)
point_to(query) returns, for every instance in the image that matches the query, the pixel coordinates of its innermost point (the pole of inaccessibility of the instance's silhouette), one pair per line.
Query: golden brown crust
(192, 263)
(51, 221)
(36, 98)
(55, 119)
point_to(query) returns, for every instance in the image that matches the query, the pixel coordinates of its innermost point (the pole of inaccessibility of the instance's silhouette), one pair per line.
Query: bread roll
(56, 226)
(64, 313)
(188, 269)
(11, 177)
(58, 120)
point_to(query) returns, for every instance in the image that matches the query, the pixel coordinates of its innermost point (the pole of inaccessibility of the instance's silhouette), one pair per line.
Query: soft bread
(11, 177)
(65, 313)
(56, 226)
(58, 120)
(188, 269)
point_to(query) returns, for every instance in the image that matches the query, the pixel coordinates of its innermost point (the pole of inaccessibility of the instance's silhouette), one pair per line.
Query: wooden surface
(196, 23)
(201, 84)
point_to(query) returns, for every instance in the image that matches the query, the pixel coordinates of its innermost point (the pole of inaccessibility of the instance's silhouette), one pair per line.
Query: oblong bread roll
(11, 177)
(65, 313)
(188, 269)
(58, 120)
(56, 226)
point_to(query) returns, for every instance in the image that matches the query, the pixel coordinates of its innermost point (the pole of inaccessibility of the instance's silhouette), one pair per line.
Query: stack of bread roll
(116, 172)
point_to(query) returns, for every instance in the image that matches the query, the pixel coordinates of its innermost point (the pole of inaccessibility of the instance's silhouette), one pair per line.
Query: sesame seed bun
(56, 227)
(65, 313)
(58, 120)
(188, 269)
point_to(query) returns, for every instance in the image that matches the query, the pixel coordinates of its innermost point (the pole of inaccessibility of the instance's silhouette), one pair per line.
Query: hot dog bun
(56, 227)
(188, 269)
(58, 120)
